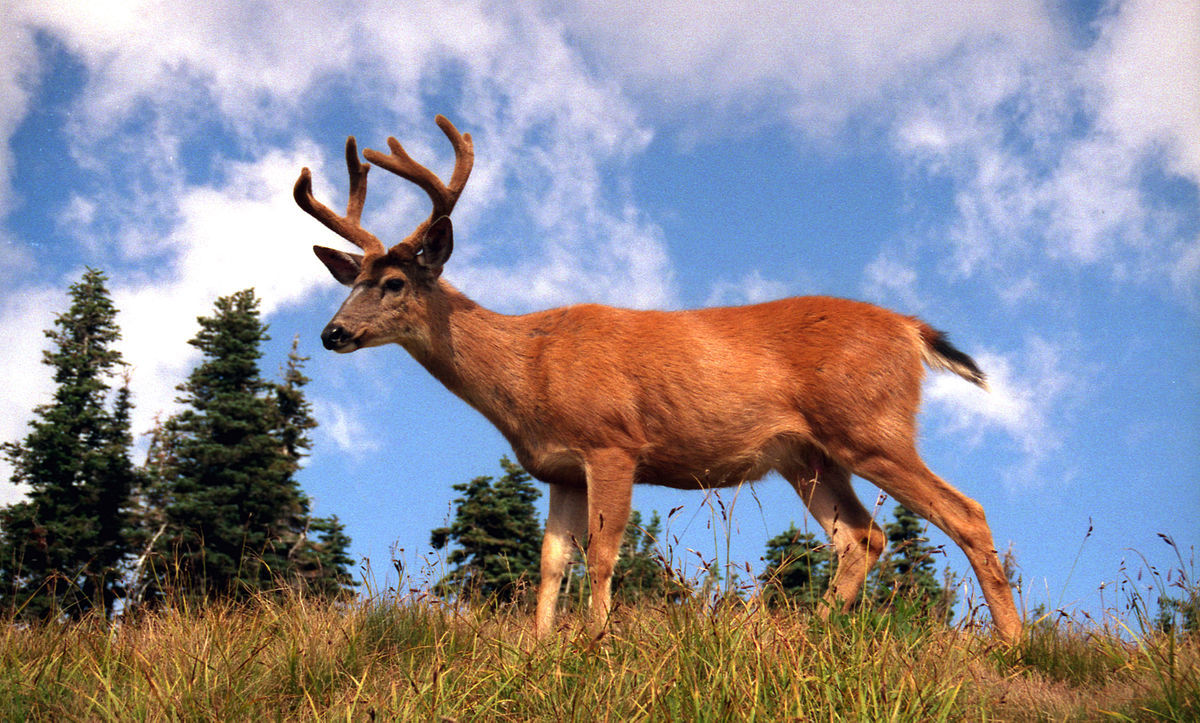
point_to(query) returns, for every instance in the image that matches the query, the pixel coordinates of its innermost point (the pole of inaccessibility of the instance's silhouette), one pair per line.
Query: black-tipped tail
(939, 353)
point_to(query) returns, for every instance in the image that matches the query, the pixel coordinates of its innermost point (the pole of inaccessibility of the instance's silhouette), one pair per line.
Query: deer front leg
(609, 497)
(565, 525)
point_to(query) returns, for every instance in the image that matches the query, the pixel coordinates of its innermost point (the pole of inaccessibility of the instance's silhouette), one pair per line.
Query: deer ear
(343, 266)
(436, 246)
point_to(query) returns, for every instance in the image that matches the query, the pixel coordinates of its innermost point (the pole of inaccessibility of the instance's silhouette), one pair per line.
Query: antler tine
(444, 197)
(358, 181)
(464, 154)
(349, 226)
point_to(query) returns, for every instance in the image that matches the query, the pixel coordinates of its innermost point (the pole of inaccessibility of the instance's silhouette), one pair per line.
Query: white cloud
(344, 428)
(162, 81)
(23, 318)
(984, 95)
(814, 63)
(888, 279)
(1026, 390)
(1147, 68)
(750, 289)
(252, 59)
(1050, 152)
(1047, 141)
(18, 59)
(542, 119)
(248, 233)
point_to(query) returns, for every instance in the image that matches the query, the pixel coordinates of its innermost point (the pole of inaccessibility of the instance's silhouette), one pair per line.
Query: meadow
(390, 657)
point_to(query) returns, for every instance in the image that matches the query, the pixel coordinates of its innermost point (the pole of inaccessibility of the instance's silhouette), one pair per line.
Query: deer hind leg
(856, 539)
(566, 524)
(903, 475)
(609, 497)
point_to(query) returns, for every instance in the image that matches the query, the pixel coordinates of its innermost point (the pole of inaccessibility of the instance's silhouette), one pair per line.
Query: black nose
(335, 337)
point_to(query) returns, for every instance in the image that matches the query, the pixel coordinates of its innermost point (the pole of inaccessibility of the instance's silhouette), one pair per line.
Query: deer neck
(478, 354)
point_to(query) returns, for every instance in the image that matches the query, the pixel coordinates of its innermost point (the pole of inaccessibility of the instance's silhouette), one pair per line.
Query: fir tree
(295, 411)
(641, 573)
(497, 537)
(907, 573)
(318, 547)
(149, 513)
(320, 561)
(799, 568)
(1179, 615)
(61, 550)
(497, 546)
(235, 519)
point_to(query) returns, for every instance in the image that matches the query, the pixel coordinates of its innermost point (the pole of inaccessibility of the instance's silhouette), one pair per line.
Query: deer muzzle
(336, 338)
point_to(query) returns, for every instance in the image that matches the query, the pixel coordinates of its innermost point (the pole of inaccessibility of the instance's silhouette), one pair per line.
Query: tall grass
(714, 656)
(413, 658)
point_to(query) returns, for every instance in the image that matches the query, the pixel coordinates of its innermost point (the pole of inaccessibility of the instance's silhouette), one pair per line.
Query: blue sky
(1023, 175)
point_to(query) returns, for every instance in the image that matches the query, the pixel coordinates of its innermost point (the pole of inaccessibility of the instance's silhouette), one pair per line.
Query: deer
(595, 399)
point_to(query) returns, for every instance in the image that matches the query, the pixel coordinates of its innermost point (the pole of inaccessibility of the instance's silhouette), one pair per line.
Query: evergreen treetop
(799, 568)
(497, 537)
(236, 521)
(642, 573)
(61, 549)
(907, 572)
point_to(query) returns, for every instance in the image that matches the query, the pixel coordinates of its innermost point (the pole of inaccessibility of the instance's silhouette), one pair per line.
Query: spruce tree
(62, 549)
(641, 572)
(497, 537)
(149, 505)
(1180, 615)
(235, 520)
(799, 568)
(294, 409)
(907, 573)
(496, 551)
(318, 559)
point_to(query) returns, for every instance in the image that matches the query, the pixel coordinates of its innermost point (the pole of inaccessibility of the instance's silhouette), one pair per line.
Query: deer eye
(393, 285)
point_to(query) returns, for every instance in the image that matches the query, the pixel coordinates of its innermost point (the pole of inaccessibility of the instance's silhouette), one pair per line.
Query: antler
(444, 197)
(349, 226)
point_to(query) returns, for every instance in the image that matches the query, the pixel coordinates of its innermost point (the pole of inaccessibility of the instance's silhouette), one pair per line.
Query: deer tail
(939, 353)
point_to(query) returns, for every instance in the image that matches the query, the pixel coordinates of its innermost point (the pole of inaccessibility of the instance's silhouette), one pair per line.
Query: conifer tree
(61, 549)
(641, 572)
(318, 547)
(497, 537)
(234, 517)
(799, 568)
(295, 411)
(907, 572)
(497, 546)
(149, 505)
(320, 560)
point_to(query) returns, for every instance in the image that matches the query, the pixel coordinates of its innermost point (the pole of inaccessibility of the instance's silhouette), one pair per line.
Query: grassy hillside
(414, 659)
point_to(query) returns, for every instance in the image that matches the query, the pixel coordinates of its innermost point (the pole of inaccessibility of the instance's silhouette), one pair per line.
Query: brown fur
(595, 399)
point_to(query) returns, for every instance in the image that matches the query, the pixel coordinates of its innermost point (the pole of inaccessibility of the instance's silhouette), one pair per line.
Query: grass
(416, 659)
(389, 657)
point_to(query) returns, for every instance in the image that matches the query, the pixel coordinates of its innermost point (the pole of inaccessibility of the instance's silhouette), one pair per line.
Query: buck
(596, 399)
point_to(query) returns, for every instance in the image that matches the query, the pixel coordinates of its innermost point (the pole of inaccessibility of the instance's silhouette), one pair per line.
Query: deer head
(394, 291)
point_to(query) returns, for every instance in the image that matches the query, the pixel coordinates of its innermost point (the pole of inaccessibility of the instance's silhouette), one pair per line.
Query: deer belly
(698, 467)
